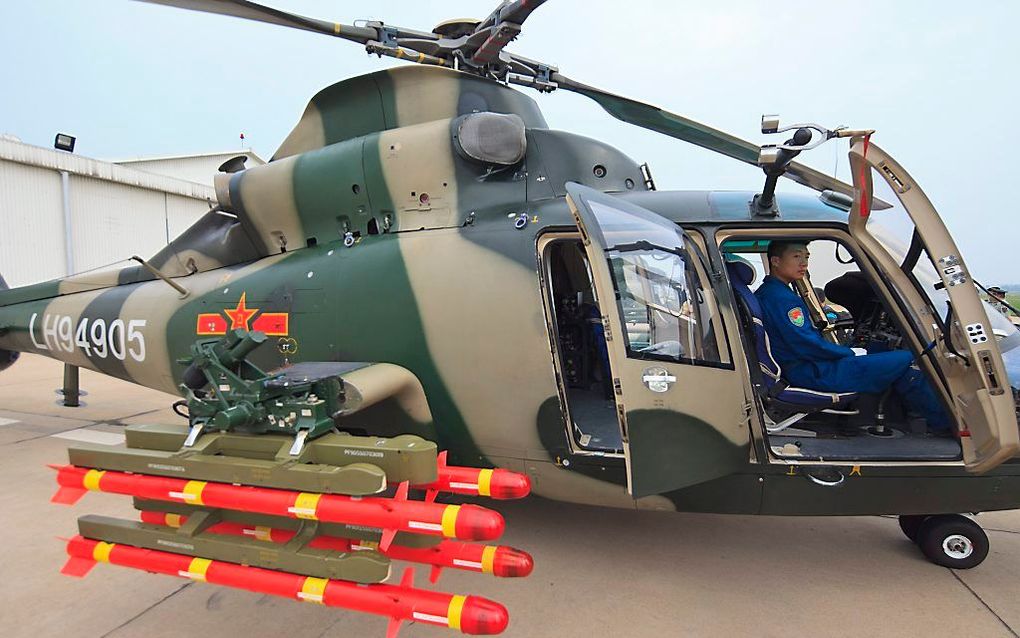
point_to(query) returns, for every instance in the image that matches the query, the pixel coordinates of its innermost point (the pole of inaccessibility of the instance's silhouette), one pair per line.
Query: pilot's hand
(859, 352)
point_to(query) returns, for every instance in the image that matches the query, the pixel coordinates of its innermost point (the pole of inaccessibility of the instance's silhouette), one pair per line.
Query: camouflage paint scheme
(439, 281)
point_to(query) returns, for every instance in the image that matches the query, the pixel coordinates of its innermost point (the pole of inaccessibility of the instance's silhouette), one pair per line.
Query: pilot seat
(784, 404)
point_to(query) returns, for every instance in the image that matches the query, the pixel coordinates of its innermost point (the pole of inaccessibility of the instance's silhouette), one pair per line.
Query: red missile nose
(509, 562)
(478, 524)
(483, 617)
(507, 485)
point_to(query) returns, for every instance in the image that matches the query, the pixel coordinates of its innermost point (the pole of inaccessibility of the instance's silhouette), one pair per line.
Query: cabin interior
(871, 428)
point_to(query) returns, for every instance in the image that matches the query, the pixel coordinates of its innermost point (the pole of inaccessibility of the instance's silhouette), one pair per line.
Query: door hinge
(621, 415)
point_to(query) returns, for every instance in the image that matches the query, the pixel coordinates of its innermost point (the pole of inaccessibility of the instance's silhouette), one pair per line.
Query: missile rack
(235, 501)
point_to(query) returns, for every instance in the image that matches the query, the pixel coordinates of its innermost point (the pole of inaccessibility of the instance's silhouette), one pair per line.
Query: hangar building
(62, 213)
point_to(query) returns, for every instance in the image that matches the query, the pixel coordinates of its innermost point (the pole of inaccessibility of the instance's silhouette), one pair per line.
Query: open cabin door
(681, 404)
(916, 254)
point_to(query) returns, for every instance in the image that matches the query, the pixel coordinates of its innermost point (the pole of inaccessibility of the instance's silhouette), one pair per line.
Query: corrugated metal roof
(88, 167)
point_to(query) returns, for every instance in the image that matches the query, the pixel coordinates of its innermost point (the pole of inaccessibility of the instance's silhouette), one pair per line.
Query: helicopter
(525, 298)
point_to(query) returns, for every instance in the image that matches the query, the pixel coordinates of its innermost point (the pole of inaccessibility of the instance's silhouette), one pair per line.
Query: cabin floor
(595, 422)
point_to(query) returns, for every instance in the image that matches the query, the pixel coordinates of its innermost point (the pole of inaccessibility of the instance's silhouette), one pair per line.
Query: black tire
(911, 525)
(953, 541)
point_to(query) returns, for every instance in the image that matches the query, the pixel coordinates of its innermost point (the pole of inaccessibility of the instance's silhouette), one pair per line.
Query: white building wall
(181, 212)
(115, 212)
(31, 224)
(111, 224)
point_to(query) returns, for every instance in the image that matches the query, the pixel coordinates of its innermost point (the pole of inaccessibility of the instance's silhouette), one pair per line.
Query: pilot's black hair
(778, 247)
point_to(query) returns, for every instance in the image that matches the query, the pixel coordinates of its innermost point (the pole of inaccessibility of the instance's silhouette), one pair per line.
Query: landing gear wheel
(911, 525)
(953, 541)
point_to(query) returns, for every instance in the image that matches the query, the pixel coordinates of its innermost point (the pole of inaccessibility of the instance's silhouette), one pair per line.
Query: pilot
(997, 299)
(810, 361)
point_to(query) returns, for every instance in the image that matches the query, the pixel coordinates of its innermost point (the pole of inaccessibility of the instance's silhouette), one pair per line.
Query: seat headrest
(741, 269)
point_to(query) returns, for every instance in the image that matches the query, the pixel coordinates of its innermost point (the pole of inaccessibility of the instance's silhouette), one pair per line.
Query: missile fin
(407, 580)
(434, 573)
(68, 495)
(401, 494)
(77, 567)
(387, 539)
(393, 628)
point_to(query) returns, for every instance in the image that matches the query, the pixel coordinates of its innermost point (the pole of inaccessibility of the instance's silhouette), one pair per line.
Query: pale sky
(936, 79)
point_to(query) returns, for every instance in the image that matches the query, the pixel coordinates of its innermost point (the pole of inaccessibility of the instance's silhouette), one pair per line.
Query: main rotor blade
(260, 13)
(654, 118)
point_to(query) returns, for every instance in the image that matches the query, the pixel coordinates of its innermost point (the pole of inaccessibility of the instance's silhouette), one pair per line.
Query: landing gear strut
(949, 540)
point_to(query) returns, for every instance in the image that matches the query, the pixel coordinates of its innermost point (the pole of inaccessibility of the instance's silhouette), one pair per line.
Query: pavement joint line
(42, 414)
(120, 421)
(982, 601)
(153, 606)
(44, 436)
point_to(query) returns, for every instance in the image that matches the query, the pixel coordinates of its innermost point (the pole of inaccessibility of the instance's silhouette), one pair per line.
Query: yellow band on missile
(305, 504)
(450, 521)
(101, 552)
(336, 28)
(263, 533)
(92, 478)
(198, 567)
(488, 556)
(484, 482)
(313, 589)
(454, 611)
(193, 492)
(173, 520)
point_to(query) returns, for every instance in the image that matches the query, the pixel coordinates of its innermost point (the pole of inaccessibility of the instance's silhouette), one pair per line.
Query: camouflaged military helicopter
(525, 298)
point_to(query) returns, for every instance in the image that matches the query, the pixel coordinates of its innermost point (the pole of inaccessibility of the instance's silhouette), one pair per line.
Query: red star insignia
(240, 315)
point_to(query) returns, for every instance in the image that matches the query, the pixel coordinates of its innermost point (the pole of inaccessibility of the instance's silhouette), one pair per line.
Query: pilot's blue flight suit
(809, 361)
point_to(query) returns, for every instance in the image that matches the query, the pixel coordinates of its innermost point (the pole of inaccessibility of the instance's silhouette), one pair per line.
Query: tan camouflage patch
(382, 381)
(424, 94)
(104, 277)
(267, 193)
(417, 163)
(308, 134)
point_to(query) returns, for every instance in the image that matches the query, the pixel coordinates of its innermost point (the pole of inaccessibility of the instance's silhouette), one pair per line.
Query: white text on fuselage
(93, 337)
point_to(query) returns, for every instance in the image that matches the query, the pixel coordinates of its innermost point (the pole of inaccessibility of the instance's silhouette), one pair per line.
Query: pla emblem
(796, 316)
(276, 324)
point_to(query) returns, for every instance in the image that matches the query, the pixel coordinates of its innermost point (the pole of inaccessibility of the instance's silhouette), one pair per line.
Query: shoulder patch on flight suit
(796, 316)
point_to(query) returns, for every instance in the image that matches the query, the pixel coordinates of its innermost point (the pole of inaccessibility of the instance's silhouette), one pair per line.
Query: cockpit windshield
(890, 227)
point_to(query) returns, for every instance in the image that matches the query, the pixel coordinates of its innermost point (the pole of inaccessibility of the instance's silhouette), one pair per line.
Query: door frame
(841, 234)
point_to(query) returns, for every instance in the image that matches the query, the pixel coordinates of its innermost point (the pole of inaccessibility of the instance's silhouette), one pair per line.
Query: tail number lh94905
(94, 337)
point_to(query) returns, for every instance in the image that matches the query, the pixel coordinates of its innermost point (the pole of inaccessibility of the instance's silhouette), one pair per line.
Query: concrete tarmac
(599, 572)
